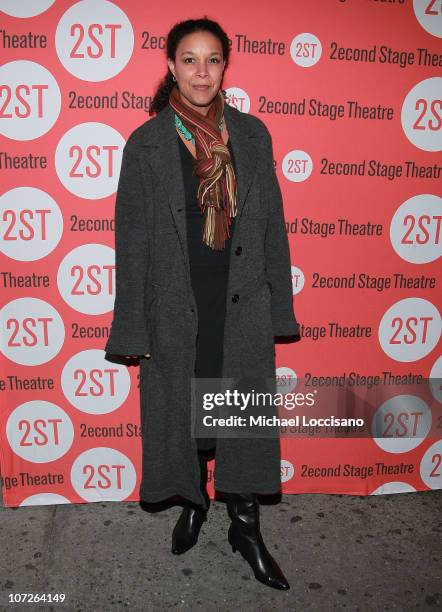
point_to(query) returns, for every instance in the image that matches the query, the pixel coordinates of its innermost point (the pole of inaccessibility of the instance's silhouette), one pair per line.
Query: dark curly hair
(179, 30)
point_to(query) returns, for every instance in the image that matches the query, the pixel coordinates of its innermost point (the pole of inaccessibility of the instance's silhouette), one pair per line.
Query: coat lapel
(164, 154)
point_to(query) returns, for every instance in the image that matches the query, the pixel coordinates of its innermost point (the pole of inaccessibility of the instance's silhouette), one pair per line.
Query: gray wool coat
(155, 310)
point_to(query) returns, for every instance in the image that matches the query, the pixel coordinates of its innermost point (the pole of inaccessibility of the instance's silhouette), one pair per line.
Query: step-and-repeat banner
(351, 93)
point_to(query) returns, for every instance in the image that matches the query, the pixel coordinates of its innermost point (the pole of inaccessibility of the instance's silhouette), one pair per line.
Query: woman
(203, 284)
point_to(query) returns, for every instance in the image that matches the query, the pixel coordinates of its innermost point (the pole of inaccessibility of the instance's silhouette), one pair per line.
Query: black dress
(209, 274)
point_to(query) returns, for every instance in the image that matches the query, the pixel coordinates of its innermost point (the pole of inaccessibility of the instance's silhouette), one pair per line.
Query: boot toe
(276, 583)
(178, 548)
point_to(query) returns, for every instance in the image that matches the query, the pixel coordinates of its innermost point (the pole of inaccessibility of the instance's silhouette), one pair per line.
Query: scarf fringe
(217, 229)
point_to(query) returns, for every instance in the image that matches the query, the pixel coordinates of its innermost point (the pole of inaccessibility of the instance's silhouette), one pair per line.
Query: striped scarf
(217, 194)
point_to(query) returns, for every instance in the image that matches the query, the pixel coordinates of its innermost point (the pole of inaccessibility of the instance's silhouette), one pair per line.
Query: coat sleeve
(277, 252)
(129, 333)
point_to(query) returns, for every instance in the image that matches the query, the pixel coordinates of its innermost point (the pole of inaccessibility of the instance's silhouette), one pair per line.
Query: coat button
(238, 250)
(235, 297)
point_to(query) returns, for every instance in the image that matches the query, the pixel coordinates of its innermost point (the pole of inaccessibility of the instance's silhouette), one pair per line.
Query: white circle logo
(409, 329)
(415, 229)
(395, 486)
(86, 278)
(297, 166)
(401, 423)
(421, 115)
(286, 380)
(306, 50)
(103, 473)
(39, 431)
(94, 385)
(45, 499)
(287, 470)
(238, 98)
(298, 280)
(25, 9)
(431, 466)
(428, 13)
(30, 100)
(31, 224)
(31, 331)
(94, 40)
(88, 160)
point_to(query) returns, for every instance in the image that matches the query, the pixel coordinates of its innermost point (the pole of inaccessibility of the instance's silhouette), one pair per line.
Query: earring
(173, 79)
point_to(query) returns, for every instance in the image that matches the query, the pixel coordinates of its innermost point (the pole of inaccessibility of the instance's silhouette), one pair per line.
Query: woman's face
(198, 69)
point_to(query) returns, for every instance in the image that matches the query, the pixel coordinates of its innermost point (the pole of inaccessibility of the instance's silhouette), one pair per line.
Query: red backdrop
(351, 92)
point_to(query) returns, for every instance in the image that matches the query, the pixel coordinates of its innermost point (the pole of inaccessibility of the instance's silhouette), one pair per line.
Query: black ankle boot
(244, 534)
(186, 531)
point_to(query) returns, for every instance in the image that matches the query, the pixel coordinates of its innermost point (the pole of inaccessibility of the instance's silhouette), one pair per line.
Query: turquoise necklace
(185, 132)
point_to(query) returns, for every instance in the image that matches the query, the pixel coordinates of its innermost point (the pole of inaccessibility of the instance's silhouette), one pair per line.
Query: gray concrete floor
(338, 552)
